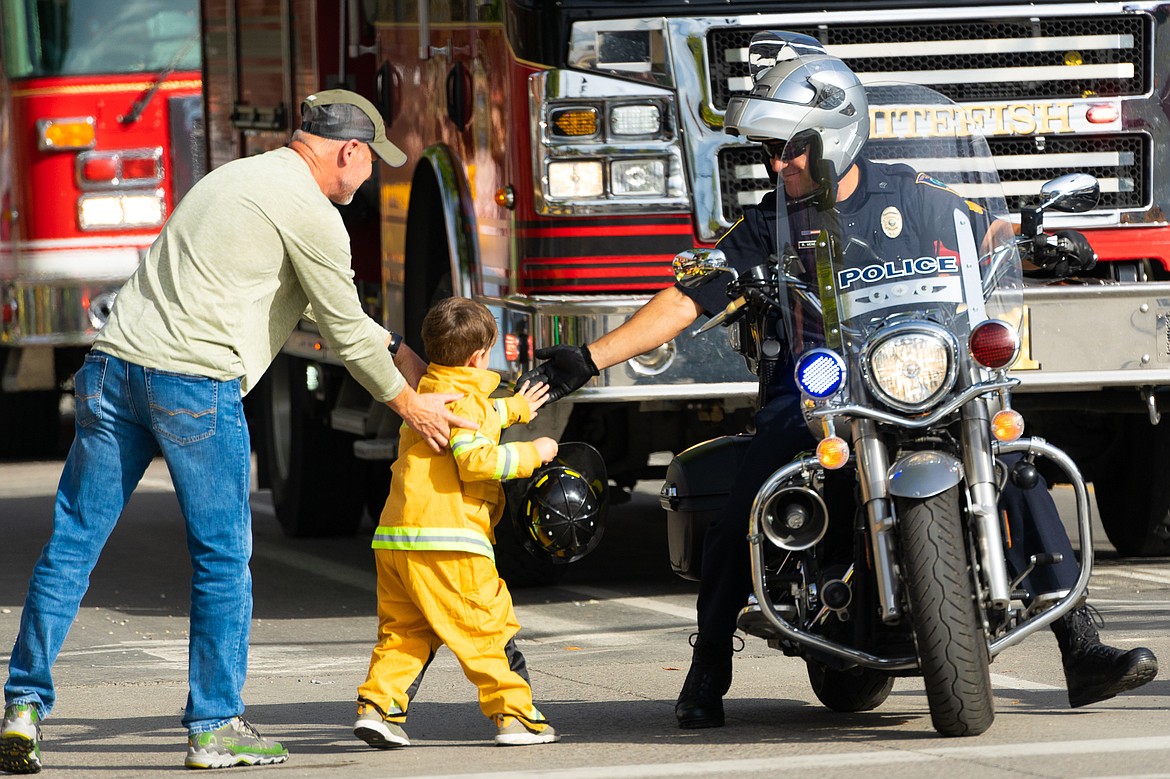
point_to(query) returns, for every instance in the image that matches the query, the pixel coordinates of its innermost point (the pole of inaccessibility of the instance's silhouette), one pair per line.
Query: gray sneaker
(236, 743)
(20, 737)
(517, 732)
(377, 731)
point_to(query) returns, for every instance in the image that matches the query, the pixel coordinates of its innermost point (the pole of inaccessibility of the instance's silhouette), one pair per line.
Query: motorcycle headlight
(910, 366)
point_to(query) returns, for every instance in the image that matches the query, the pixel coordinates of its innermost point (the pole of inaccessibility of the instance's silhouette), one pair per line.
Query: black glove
(1065, 253)
(1077, 255)
(567, 369)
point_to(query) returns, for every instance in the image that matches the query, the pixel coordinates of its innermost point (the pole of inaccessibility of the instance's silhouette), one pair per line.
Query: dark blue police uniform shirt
(926, 207)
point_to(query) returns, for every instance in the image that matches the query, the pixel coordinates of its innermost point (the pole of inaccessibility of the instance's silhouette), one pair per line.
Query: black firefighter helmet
(563, 513)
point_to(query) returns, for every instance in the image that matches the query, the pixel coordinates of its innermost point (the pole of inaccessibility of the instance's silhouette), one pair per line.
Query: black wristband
(395, 342)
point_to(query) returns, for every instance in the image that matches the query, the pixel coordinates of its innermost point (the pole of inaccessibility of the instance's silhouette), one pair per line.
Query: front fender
(923, 474)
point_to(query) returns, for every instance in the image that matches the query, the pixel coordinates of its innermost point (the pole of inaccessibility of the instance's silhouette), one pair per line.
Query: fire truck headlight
(143, 210)
(575, 179)
(103, 212)
(638, 177)
(635, 120)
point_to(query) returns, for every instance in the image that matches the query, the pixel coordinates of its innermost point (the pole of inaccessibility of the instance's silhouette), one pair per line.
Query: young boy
(437, 579)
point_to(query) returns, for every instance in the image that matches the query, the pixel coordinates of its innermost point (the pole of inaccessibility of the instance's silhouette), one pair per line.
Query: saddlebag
(697, 484)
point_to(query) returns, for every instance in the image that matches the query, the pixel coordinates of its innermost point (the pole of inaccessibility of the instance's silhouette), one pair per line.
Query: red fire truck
(100, 134)
(562, 152)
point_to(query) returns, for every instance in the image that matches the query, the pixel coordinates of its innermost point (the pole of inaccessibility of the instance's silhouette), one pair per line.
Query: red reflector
(139, 168)
(994, 344)
(100, 169)
(1103, 114)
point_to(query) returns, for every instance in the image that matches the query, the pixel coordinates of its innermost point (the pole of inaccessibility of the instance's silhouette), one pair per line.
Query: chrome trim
(459, 220)
(702, 368)
(1089, 336)
(583, 47)
(787, 631)
(918, 423)
(159, 194)
(923, 474)
(1074, 596)
(1013, 331)
(550, 89)
(53, 314)
(119, 182)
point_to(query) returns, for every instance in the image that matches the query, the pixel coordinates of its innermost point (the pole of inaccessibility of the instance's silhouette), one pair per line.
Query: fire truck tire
(316, 483)
(30, 424)
(1132, 497)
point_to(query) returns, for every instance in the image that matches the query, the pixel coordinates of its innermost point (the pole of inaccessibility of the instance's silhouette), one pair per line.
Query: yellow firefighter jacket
(452, 500)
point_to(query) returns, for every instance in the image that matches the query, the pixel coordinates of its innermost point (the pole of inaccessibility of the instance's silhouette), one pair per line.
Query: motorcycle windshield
(915, 228)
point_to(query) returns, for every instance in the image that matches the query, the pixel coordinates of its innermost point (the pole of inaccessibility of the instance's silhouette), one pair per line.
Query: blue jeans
(125, 415)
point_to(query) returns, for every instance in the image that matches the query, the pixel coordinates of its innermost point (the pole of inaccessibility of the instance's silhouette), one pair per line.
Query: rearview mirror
(695, 267)
(1071, 193)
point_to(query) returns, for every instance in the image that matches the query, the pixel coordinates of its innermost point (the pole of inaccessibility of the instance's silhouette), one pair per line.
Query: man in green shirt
(253, 247)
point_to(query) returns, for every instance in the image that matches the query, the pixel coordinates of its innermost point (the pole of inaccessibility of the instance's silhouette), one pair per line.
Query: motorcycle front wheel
(858, 689)
(952, 648)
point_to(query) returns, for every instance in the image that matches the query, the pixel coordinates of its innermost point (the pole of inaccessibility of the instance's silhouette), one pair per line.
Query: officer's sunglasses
(787, 150)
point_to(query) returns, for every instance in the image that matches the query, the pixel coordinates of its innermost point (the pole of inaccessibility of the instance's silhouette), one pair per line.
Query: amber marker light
(57, 134)
(506, 196)
(1007, 425)
(832, 452)
(575, 122)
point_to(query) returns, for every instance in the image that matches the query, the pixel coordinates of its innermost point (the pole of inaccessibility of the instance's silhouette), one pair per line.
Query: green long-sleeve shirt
(246, 251)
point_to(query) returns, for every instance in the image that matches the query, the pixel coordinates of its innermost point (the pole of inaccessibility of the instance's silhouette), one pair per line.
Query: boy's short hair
(456, 328)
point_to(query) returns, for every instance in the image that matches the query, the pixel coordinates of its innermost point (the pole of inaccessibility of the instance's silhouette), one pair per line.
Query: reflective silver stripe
(465, 442)
(502, 409)
(432, 539)
(512, 461)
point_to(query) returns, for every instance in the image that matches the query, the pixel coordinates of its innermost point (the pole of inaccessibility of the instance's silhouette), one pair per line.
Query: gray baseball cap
(343, 115)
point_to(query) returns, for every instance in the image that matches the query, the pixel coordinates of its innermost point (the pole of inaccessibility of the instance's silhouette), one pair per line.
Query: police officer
(811, 114)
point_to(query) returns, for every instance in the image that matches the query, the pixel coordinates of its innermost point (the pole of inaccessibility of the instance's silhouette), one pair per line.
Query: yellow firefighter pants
(430, 598)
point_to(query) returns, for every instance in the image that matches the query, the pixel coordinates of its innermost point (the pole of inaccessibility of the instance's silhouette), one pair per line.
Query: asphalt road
(607, 650)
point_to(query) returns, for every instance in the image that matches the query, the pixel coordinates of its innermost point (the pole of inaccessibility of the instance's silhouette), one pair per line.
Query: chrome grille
(972, 61)
(1116, 161)
(1005, 59)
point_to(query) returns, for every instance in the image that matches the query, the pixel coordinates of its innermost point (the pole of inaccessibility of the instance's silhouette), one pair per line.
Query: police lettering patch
(892, 222)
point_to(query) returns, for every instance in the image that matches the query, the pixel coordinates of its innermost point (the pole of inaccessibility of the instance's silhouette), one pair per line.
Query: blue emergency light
(820, 373)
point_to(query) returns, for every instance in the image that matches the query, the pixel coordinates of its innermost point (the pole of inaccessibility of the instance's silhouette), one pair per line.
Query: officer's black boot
(700, 704)
(1094, 671)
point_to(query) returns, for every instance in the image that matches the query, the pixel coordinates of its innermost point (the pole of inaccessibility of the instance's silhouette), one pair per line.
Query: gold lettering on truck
(1049, 118)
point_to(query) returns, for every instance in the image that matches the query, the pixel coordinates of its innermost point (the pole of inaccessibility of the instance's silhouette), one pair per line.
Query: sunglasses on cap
(787, 149)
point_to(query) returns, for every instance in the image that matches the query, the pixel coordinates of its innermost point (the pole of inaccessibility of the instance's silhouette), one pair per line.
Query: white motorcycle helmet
(808, 93)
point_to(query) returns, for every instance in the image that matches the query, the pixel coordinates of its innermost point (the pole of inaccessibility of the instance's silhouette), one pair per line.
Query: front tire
(952, 647)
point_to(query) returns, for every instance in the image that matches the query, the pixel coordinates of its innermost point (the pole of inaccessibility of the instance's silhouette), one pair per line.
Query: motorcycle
(902, 366)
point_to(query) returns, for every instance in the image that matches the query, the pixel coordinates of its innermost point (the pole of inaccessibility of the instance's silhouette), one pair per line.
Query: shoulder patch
(974, 207)
(931, 181)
